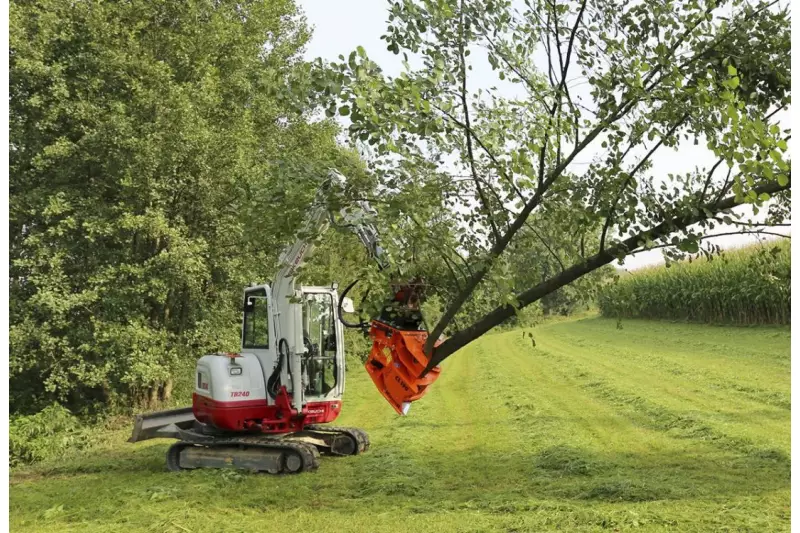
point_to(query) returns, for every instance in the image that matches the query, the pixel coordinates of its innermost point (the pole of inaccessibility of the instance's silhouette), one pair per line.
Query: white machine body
(291, 337)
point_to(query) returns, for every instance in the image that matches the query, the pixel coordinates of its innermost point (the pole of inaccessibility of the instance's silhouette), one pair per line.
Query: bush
(356, 348)
(526, 317)
(48, 434)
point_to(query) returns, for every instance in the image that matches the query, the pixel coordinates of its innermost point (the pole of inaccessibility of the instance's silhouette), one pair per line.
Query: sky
(341, 26)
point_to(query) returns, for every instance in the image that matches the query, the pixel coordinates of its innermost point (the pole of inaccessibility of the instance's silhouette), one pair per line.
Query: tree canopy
(154, 173)
(620, 81)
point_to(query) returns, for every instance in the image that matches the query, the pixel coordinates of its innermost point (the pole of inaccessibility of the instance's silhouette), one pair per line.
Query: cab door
(322, 359)
(256, 331)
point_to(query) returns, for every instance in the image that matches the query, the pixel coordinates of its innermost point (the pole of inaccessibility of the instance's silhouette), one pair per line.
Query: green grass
(653, 427)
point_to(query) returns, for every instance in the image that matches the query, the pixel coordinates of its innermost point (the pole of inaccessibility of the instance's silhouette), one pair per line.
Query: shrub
(47, 434)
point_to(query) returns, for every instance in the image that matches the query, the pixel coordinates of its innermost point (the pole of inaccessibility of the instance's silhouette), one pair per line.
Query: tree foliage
(154, 172)
(616, 81)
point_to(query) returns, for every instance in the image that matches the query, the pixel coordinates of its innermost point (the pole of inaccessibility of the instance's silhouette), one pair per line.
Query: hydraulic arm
(268, 407)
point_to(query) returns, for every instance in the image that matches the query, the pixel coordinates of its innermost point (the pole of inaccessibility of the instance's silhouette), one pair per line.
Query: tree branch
(546, 245)
(753, 224)
(465, 110)
(624, 248)
(744, 232)
(571, 42)
(452, 272)
(548, 46)
(708, 178)
(532, 89)
(558, 43)
(485, 149)
(636, 169)
(725, 186)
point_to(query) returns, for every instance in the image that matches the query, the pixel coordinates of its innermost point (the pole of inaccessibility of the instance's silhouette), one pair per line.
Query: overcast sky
(340, 26)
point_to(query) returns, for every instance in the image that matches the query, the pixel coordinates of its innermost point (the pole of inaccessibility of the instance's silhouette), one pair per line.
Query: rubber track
(173, 456)
(359, 435)
(308, 453)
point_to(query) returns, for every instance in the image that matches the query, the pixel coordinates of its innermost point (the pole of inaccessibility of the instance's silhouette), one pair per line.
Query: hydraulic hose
(274, 381)
(359, 325)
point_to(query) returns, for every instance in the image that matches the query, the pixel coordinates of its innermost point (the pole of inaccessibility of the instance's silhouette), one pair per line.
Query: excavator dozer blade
(162, 424)
(395, 364)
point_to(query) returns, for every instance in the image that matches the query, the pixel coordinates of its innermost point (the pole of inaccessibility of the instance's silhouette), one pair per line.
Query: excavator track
(256, 453)
(358, 436)
(203, 446)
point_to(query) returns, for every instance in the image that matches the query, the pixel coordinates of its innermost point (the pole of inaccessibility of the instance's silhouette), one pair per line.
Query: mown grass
(652, 427)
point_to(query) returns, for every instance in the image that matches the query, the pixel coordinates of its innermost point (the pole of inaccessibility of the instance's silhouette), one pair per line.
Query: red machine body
(256, 415)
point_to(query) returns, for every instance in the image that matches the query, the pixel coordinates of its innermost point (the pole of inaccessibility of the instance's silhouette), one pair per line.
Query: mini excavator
(268, 407)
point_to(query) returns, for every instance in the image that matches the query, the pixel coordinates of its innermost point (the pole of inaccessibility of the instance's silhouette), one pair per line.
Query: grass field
(652, 427)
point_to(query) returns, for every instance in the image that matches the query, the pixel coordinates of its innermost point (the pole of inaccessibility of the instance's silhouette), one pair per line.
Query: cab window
(255, 332)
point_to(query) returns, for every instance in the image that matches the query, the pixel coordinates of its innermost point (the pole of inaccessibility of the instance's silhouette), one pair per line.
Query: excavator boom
(268, 407)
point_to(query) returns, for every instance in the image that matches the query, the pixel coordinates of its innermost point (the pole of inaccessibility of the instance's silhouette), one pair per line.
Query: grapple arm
(396, 363)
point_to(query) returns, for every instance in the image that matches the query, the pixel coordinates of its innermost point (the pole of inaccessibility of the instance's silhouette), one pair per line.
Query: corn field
(744, 286)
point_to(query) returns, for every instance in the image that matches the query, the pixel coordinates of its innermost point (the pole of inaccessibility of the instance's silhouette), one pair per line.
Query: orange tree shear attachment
(396, 362)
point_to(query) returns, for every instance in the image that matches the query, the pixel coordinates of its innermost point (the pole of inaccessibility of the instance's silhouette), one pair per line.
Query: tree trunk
(166, 391)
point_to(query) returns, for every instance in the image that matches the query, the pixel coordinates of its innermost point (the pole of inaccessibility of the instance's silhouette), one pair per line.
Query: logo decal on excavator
(240, 393)
(400, 381)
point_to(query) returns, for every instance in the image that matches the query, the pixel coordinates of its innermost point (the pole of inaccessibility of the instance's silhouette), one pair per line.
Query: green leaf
(783, 180)
(690, 246)
(731, 70)
(733, 82)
